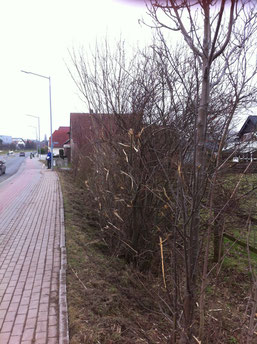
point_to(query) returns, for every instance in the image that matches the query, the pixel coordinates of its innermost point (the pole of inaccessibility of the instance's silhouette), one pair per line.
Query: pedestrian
(48, 159)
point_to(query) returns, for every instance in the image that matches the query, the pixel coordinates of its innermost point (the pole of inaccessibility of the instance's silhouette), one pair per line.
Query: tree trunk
(217, 241)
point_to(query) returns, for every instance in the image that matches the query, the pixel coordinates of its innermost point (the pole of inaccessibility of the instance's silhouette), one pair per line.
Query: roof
(60, 136)
(17, 139)
(86, 127)
(251, 120)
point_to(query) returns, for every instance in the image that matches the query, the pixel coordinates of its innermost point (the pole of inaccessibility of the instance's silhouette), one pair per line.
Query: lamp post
(38, 122)
(50, 103)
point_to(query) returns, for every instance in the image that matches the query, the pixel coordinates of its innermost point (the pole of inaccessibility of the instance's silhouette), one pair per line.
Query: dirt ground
(110, 302)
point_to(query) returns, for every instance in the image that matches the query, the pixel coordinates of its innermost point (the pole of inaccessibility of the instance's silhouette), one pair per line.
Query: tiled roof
(60, 136)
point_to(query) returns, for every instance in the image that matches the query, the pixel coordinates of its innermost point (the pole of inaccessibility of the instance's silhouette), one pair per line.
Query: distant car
(22, 153)
(2, 167)
(10, 152)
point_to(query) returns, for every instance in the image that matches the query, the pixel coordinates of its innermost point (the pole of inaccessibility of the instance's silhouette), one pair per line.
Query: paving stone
(7, 326)
(31, 229)
(14, 340)
(4, 338)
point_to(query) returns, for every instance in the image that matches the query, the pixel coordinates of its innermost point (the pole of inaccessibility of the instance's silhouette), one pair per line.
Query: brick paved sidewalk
(32, 259)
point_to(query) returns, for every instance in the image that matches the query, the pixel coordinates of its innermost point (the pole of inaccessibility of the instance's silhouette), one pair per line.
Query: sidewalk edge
(63, 308)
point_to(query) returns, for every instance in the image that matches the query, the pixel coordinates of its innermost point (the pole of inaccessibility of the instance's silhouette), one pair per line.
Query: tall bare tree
(216, 32)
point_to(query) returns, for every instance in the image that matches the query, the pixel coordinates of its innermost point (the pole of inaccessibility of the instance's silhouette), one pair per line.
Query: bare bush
(154, 166)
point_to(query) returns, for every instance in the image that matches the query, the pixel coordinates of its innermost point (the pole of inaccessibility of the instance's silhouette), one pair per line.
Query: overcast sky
(35, 36)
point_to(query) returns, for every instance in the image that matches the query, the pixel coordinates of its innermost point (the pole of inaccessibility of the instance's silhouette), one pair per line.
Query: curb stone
(63, 309)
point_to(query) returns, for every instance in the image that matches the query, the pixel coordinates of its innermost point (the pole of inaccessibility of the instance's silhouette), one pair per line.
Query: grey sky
(36, 36)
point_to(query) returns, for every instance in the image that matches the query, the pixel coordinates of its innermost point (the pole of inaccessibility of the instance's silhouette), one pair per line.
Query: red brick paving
(32, 258)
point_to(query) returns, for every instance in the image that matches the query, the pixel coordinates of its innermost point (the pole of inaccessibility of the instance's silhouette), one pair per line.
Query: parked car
(2, 167)
(22, 153)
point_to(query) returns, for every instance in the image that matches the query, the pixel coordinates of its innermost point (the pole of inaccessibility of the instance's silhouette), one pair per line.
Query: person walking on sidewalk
(48, 159)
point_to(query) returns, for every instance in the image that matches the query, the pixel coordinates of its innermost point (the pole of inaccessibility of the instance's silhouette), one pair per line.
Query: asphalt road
(13, 163)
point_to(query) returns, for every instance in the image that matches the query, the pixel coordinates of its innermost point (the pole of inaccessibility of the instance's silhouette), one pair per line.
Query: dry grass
(110, 302)
(106, 302)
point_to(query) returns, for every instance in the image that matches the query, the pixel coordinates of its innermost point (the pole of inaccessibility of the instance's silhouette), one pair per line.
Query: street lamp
(50, 102)
(38, 122)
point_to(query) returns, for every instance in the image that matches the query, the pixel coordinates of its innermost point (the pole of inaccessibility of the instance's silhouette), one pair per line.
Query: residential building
(87, 129)
(19, 142)
(249, 129)
(246, 144)
(60, 136)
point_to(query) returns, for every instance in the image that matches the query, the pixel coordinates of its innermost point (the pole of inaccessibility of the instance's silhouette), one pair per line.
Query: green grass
(251, 237)
(241, 221)
(238, 259)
